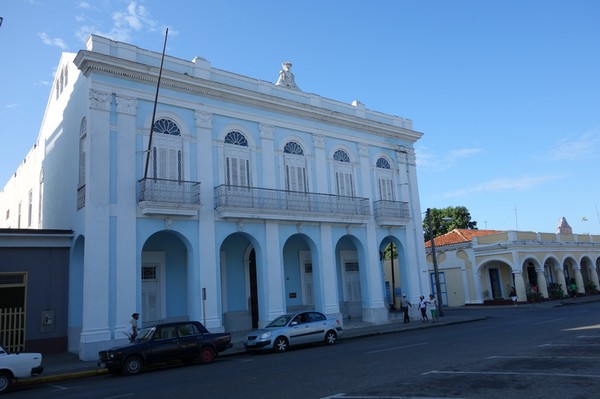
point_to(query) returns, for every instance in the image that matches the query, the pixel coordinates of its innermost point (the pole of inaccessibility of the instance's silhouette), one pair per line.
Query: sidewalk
(62, 366)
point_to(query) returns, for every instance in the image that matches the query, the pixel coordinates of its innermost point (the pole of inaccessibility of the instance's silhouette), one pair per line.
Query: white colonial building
(249, 198)
(476, 266)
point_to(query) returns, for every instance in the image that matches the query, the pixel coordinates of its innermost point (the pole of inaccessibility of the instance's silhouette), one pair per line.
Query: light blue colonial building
(249, 199)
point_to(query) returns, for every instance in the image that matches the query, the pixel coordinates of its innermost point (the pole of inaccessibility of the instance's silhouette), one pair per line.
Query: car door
(301, 329)
(189, 340)
(318, 326)
(165, 345)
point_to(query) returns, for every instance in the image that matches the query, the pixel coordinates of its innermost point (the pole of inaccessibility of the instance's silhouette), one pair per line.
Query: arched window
(344, 179)
(295, 167)
(237, 160)
(167, 154)
(384, 177)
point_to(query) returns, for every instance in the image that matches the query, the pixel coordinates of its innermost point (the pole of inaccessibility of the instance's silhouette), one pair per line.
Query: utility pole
(436, 273)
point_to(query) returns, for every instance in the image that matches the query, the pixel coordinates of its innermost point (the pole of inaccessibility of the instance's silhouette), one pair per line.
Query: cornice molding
(89, 62)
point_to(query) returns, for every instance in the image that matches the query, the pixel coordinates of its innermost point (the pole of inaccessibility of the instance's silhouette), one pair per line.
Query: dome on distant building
(563, 227)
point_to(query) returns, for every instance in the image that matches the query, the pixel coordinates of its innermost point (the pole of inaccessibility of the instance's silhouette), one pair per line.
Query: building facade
(34, 286)
(248, 199)
(476, 266)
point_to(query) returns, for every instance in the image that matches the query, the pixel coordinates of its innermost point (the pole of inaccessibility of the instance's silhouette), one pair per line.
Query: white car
(18, 365)
(294, 329)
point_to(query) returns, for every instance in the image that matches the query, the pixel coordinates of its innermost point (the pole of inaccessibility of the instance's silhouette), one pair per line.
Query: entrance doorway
(253, 288)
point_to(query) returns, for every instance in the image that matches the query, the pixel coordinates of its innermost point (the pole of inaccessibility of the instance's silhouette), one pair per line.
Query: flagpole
(148, 152)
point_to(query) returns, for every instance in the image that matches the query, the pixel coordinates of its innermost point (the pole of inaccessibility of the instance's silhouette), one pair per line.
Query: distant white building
(251, 199)
(476, 266)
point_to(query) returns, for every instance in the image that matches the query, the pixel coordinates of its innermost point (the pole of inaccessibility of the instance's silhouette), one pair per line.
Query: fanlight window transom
(166, 126)
(383, 163)
(293, 148)
(341, 156)
(236, 138)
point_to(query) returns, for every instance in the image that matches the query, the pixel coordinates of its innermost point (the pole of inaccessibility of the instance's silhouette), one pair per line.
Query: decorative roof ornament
(563, 227)
(286, 77)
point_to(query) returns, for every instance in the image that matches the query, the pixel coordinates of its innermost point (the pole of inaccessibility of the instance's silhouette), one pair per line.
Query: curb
(61, 377)
(99, 371)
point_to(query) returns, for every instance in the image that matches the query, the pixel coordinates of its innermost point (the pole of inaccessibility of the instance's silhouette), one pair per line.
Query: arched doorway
(164, 278)
(395, 279)
(240, 282)
(301, 287)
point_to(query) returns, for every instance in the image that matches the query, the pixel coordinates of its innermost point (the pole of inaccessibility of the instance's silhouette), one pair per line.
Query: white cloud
(13, 105)
(575, 148)
(56, 42)
(134, 18)
(520, 183)
(431, 161)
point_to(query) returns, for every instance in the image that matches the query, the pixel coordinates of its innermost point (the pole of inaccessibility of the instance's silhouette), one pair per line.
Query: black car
(181, 341)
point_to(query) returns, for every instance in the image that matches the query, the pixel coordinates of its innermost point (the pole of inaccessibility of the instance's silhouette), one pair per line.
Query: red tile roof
(458, 236)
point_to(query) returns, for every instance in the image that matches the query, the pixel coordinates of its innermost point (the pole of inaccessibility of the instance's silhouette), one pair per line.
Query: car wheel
(133, 365)
(207, 355)
(330, 337)
(5, 381)
(281, 345)
(115, 370)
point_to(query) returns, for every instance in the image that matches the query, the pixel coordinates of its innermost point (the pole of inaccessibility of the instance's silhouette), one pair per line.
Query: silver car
(294, 329)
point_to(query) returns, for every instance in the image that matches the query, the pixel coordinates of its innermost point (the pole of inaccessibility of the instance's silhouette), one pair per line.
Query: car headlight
(265, 335)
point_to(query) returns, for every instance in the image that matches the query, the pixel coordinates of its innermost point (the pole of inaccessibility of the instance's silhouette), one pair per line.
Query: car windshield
(281, 321)
(145, 334)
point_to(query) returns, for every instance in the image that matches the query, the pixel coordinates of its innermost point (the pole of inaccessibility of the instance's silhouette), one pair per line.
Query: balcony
(169, 197)
(263, 203)
(391, 213)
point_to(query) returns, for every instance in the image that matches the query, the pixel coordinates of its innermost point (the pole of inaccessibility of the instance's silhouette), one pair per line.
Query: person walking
(423, 309)
(404, 303)
(513, 295)
(433, 308)
(134, 327)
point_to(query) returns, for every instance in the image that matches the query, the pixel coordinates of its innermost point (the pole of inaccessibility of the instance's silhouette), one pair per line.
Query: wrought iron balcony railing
(172, 191)
(169, 197)
(291, 205)
(391, 212)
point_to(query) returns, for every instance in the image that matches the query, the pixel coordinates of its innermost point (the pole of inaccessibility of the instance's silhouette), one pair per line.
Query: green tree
(447, 219)
(388, 253)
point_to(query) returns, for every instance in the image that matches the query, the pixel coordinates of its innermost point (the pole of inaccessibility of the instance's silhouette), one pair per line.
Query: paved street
(524, 352)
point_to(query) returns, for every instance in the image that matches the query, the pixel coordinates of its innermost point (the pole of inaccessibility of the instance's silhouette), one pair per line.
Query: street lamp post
(436, 273)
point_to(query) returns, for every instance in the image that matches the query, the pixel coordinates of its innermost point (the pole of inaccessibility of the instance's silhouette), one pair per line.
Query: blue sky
(506, 92)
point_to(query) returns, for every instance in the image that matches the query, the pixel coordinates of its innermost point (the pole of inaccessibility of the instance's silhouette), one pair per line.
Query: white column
(594, 276)
(127, 266)
(418, 272)
(579, 280)
(520, 285)
(542, 284)
(320, 164)
(374, 309)
(96, 273)
(327, 274)
(560, 277)
(269, 163)
(207, 266)
(273, 279)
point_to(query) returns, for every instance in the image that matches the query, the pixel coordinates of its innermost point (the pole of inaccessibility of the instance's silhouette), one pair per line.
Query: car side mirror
(294, 323)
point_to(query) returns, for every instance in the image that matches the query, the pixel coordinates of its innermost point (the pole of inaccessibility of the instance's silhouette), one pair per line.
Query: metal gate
(12, 329)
